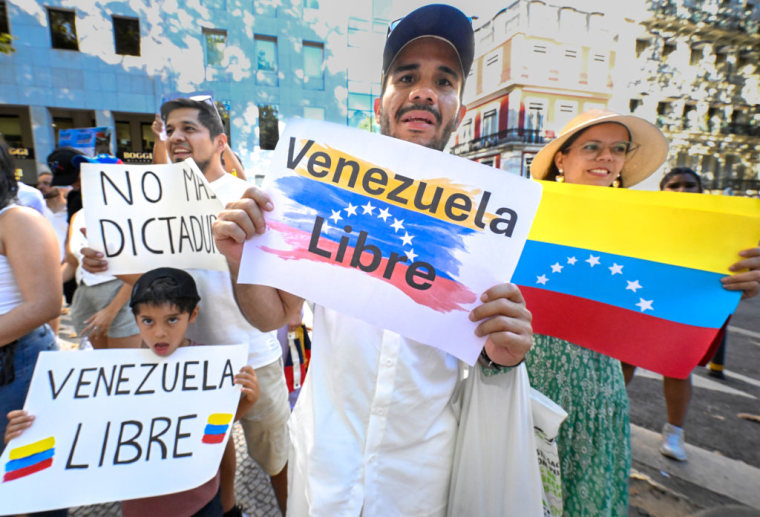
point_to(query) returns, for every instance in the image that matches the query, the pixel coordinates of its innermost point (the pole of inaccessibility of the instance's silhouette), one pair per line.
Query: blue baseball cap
(437, 20)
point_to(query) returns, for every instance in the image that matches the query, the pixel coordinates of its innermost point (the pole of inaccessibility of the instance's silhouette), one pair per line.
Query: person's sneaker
(672, 443)
(716, 371)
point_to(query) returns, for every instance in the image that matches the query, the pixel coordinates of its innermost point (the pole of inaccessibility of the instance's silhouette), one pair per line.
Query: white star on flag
(645, 304)
(633, 286)
(411, 255)
(407, 239)
(542, 280)
(351, 209)
(397, 224)
(556, 268)
(335, 216)
(368, 208)
(616, 269)
(384, 214)
(572, 260)
(592, 260)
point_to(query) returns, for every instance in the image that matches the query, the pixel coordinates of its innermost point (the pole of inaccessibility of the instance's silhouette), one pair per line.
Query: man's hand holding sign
(392, 227)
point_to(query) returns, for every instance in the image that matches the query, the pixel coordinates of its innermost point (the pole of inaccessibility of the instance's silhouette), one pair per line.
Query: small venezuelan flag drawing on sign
(216, 427)
(29, 459)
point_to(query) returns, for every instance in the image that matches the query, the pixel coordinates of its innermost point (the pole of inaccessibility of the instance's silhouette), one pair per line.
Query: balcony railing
(514, 135)
(739, 186)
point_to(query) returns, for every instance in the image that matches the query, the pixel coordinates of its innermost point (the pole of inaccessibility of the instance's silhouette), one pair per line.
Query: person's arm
(98, 324)
(232, 164)
(18, 422)
(266, 308)
(38, 280)
(748, 279)
(506, 321)
(249, 386)
(160, 151)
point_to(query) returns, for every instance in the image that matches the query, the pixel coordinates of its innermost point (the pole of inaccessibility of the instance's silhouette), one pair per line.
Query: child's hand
(249, 385)
(18, 422)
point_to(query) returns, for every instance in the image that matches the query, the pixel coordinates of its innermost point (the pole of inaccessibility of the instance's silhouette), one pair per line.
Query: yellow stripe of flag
(219, 418)
(698, 231)
(32, 448)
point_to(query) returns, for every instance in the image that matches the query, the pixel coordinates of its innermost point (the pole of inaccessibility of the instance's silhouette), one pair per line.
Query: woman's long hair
(8, 185)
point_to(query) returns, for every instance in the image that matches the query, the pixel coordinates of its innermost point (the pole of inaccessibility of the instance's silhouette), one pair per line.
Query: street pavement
(722, 473)
(720, 478)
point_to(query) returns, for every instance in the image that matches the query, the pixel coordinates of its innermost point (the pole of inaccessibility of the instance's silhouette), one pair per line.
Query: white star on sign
(542, 280)
(397, 224)
(556, 268)
(406, 239)
(384, 214)
(335, 216)
(351, 209)
(645, 304)
(592, 260)
(572, 260)
(368, 208)
(633, 286)
(616, 269)
(411, 255)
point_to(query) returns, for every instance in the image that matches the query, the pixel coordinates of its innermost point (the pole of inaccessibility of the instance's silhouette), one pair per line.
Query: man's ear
(377, 109)
(220, 142)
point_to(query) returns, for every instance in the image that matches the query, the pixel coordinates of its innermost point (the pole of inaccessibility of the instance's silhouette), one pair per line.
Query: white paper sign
(147, 216)
(401, 236)
(112, 425)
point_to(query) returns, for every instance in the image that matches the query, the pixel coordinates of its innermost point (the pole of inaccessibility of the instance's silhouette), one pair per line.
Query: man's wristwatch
(489, 363)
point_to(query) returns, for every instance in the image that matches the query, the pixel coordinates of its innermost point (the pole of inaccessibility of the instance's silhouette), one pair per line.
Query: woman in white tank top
(30, 290)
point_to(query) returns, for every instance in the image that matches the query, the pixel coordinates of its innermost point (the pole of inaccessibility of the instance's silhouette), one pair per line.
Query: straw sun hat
(651, 153)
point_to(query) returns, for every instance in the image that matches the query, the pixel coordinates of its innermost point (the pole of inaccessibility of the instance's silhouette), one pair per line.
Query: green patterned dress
(594, 443)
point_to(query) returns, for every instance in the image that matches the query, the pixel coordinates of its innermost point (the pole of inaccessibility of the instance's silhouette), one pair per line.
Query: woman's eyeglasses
(594, 149)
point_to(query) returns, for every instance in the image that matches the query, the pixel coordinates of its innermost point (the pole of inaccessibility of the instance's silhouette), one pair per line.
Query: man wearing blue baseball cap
(374, 430)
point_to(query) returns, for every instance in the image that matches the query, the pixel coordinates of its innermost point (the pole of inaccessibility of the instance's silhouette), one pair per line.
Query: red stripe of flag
(31, 469)
(659, 345)
(213, 438)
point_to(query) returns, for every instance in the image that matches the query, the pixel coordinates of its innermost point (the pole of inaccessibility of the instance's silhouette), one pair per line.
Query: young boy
(164, 302)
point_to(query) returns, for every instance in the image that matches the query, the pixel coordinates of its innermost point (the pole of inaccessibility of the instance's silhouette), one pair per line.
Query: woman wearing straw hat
(606, 149)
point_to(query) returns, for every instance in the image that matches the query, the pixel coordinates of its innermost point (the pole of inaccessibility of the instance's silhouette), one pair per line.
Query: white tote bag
(496, 470)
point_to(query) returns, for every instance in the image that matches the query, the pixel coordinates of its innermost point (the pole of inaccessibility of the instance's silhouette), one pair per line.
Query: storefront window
(62, 123)
(10, 127)
(123, 138)
(148, 138)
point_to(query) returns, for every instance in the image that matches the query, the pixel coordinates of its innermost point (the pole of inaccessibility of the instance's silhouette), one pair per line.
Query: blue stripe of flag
(215, 429)
(435, 241)
(664, 285)
(29, 460)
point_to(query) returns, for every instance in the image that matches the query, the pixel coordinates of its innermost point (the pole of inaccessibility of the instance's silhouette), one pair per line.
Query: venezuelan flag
(216, 427)
(28, 459)
(635, 275)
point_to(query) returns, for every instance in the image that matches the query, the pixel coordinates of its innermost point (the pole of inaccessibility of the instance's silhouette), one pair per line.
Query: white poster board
(401, 236)
(147, 216)
(112, 425)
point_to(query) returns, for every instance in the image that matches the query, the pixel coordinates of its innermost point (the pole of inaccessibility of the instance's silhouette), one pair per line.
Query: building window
(63, 29)
(216, 41)
(123, 138)
(313, 113)
(489, 123)
(311, 4)
(358, 30)
(313, 58)
(266, 53)
(667, 49)
(10, 127)
(4, 26)
(126, 36)
(360, 113)
(466, 131)
(60, 123)
(269, 130)
(696, 56)
(266, 7)
(641, 46)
